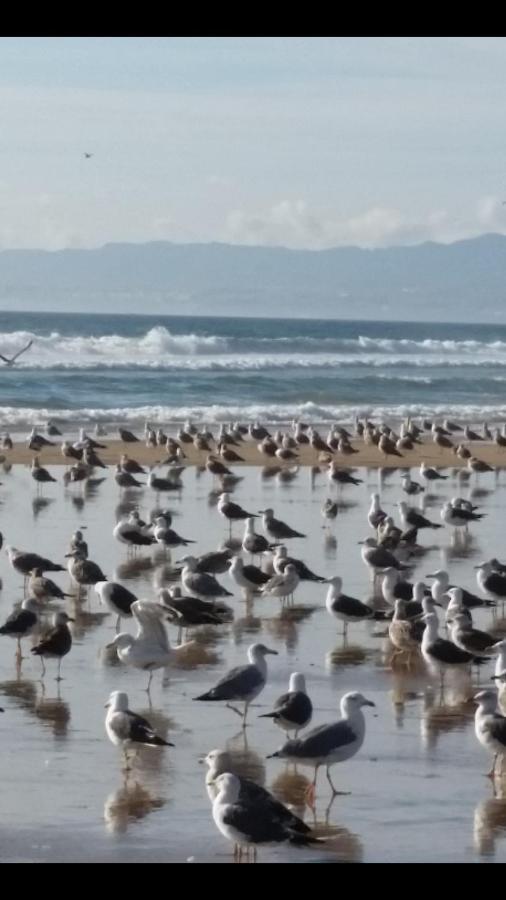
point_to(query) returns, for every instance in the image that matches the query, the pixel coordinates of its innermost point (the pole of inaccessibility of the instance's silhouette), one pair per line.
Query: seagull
(411, 487)
(163, 484)
(88, 155)
(39, 473)
(10, 361)
(412, 519)
(132, 532)
(330, 744)
(431, 474)
(22, 622)
(216, 562)
(442, 585)
(24, 563)
(293, 710)
(490, 726)
(479, 643)
(243, 683)
(341, 476)
(232, 511)
(490, 582)
(275, 528)
(83, 571)
(125, 479)
(440, 654)
(458, 516)
(57, 643)
(167, 537)
(125, 727)
(150, 648)
(252, 542)
(117, 598)
(376, 515)
(219, 762)
(282, 586)
(188, 612)
(405, 634)
(377, 558)
(282, 560)
(250, 578)
(329, 511)
(249, 823)
(347, 609)
(201, 584)
(43, 588)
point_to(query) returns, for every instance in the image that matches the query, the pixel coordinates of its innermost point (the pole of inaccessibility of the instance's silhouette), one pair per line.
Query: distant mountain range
(464, 281)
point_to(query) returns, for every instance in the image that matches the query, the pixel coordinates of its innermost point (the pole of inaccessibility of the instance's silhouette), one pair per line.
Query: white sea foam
(13, 418)
(159, 348)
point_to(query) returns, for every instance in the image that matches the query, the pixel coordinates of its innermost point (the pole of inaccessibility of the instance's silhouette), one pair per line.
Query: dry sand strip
(366, 457)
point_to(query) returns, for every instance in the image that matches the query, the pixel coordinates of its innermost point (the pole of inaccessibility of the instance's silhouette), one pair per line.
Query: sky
(300, 142)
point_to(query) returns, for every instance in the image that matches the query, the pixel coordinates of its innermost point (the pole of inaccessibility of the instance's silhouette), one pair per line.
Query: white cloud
(293, 224)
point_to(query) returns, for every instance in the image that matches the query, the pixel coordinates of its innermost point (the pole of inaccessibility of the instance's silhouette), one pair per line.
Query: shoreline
(367, 457)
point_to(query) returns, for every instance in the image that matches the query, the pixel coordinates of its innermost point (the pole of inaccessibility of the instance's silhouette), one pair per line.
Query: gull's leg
(311, 789)
(334, 792)
(58, 677)
(118, 622)
(43, 666)
(491, 774)
(233, 708)
(148, 689)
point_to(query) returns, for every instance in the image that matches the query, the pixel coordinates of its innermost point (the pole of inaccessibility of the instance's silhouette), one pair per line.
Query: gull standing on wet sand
(150, 648)
(125, 727)
(293, 710)
(249, 823)
(243, 683)
(56, 644)
(490, 727)
(329, 744)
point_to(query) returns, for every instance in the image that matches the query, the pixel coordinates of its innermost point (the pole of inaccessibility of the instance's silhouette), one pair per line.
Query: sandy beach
(417, 791)
(366, 456)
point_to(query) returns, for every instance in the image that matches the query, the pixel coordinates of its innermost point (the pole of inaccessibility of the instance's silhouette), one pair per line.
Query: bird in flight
(10, 361)
(88, 155)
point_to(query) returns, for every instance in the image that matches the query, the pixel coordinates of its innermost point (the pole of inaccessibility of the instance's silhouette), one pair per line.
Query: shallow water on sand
(417, 791)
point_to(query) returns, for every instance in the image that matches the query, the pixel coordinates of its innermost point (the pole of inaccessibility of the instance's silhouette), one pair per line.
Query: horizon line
(217, 243)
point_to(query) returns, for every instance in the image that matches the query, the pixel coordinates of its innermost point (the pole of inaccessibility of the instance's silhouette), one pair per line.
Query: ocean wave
(13, 418)
(160, 348)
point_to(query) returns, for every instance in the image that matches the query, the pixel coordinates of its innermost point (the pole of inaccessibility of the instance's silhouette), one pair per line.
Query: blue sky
(303, 142)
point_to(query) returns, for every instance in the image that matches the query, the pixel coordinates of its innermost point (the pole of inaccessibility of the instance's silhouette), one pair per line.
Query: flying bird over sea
(9, 361)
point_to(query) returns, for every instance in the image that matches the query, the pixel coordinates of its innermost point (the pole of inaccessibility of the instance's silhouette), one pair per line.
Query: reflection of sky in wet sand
(416, 785)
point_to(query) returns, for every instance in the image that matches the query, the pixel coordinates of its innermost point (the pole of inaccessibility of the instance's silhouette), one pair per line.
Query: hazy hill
(465, 280)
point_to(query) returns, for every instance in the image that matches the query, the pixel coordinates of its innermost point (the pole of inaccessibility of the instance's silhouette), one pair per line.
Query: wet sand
(417, 786)
(248, 450)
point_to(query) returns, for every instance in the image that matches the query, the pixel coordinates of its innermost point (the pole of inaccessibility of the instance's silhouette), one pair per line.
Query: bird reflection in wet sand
(438, 719)
(330, 546)
(22, 690)
(85, 621)
(53, 712)
(134, 568)
(283, 630)
(490, 820)
(246, 625)
(39, 504)
(129, 803)
(349, 655)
